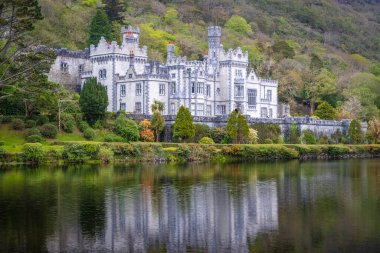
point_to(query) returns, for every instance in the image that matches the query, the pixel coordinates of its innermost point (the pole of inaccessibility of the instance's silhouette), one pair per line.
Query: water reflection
(282, 207)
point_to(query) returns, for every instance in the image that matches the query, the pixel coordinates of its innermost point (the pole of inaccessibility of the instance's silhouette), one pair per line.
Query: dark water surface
(319, 206)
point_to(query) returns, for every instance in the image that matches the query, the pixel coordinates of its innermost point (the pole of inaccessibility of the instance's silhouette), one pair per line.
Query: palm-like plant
(157, 106)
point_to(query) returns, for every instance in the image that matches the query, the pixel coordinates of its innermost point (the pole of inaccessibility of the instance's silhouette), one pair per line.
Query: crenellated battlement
(64, 52)
(214, 31)
(130, 29)
(106, 47)
(236, 54)
(267, 81)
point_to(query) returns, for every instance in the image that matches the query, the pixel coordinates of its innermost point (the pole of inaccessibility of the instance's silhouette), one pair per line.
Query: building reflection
(209, 217)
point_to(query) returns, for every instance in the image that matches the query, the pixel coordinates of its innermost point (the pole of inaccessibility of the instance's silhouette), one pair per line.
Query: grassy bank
(73, 148)
(82, 152)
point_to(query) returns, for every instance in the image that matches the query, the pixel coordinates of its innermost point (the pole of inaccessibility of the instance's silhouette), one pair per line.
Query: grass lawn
(11, 137)
(76, 135)
(13, 140)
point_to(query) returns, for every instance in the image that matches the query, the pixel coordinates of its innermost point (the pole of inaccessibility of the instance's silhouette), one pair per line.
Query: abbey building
(212, 87)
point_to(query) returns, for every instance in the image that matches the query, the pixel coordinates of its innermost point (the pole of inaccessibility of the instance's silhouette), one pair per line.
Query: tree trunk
(59, 116)
(312, 104)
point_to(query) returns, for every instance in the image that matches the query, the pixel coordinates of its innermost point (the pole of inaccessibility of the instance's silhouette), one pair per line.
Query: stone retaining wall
(319, 127)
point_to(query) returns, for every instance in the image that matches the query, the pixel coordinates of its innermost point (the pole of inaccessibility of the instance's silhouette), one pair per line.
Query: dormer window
(130, 76)
(64, 67)
(102, 74)
(173, 75)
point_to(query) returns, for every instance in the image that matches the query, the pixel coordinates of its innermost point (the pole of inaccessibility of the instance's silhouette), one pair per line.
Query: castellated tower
(130, 35)
(170, 51)
(214, 37)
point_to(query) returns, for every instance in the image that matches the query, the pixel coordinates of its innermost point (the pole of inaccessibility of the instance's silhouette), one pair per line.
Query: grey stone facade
(215, 86)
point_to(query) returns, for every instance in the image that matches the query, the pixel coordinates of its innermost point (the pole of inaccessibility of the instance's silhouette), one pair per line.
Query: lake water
(318, 206)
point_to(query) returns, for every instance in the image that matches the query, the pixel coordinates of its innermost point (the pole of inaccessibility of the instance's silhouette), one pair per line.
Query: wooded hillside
(320, 50)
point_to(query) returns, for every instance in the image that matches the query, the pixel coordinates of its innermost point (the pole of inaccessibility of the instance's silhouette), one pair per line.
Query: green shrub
(34, 138)
(91, 149)
(183, 151)
(218, 134)
(113, 138)
(49, 131)
(83, 125)
(206, 140)
(323, 139)
(183, 128)
(308, 137)
(17, 124)
(80, 152)
(268, 141)
(33, 152)
(41, 119)
(370, 138)
(267, 131)
(260, 152)
(335, 150)
(294, 135)
(337, 137)
(2, 143)
(2, 151)
(105, 154)
(252, 136)
(74, 153)
(308, 150)
(226, 140)
(67, 123)
(54, 154)
(89, 134)
(32, 131)
(127, 128)
(30, 123)
(126, 149)
(171, 158)
(232, 150)
(325, 111)
(5, 119)
(355, 132)
(201, 130)
(98, 125)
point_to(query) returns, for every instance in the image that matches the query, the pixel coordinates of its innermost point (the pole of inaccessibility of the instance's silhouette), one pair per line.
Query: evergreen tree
(325, 111)
(93, 100)
(237, 126)
(100, 26)
(127, 128)
(114, 9)
(355, 132)
(183, 124)
(158, 123)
